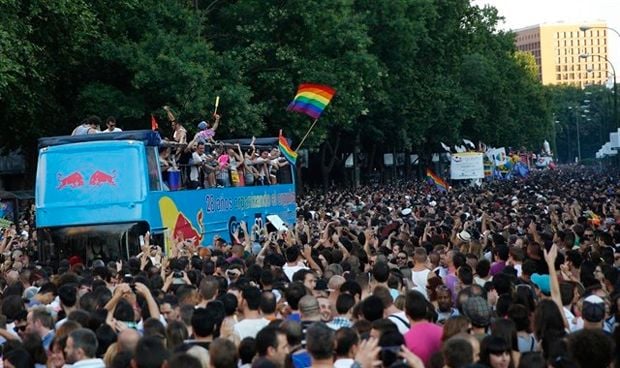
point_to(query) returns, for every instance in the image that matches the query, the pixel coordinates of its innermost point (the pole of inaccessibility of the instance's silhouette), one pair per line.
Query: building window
(558, 76)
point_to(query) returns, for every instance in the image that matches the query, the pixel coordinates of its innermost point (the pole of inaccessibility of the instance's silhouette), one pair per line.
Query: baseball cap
(98, 263)
(478, 311)
(542, 282)
(202, 125)
(593, 309)
(74, 260)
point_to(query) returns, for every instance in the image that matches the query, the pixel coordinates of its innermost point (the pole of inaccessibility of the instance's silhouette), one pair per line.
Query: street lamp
(578, 132)
(585, 27)
(613, 69)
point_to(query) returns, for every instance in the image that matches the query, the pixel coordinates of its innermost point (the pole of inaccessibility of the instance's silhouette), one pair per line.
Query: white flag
(469, 143)
(445, 147)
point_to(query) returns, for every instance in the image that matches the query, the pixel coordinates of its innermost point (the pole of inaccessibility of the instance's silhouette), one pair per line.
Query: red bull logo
(76, 180)
(99, 178)
(184, 229)
(73, 180)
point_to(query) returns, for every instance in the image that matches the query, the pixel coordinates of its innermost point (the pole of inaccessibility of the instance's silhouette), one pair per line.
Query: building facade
(557, 49)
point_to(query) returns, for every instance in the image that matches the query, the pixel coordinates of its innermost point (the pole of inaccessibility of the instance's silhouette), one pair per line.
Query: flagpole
(306, 136)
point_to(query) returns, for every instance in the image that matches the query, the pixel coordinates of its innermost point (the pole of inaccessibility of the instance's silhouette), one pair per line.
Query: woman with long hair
(507, 330)
(547, 317)
(495, 353)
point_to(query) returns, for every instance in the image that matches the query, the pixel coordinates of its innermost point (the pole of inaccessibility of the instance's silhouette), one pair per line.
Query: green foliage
(408, 73)
(568, 104)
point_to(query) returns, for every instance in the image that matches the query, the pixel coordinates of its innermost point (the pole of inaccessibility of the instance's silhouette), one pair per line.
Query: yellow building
(557, 49)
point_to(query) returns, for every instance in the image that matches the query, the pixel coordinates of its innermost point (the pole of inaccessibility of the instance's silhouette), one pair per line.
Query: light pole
(585, 27)
(578, 132)
(613, 69)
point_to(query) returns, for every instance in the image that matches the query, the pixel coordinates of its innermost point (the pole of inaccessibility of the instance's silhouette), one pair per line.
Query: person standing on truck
(88, 126)
(199, 158)
(206, 132)
(110, 123)
(180, 134)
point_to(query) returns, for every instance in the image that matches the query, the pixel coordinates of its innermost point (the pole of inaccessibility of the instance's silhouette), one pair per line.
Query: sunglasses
(402, 258)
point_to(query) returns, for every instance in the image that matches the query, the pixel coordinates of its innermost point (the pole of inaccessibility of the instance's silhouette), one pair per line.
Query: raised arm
(550, 258)
(170, 115)
(216, 124)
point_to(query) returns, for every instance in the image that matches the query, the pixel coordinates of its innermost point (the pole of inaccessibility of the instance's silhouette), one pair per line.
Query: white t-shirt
(519, 269)
(250, 327)
(343, 363)
(420, 279)
(290, 270)
(574, 323)
(194, 173)
(400, 321)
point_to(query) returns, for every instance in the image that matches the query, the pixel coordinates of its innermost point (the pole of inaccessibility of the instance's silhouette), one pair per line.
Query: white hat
(406, 212)
(432, 203)
(464, 236)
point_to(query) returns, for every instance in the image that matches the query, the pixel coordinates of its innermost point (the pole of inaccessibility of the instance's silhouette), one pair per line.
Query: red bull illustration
(180, 227)
(73, 180)
(99, 178)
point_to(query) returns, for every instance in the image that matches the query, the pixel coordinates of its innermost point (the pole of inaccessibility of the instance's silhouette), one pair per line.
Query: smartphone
(141, 240)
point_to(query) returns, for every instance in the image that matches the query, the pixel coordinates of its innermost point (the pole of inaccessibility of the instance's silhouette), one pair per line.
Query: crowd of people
(510, 274)
(204, 162)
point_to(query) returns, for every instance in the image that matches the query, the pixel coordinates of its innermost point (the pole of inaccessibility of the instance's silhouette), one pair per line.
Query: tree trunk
(328, 164)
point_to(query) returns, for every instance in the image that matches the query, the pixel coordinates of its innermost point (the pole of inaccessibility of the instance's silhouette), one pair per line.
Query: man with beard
(81, 349)
(444, 304)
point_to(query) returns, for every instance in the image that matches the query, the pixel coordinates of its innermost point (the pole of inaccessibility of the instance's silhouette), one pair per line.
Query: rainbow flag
(435, 179)
(286, 150)
(311, 99)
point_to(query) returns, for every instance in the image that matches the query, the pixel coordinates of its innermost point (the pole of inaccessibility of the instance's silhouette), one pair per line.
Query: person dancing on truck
(88, 126)
(206, 132)
(179, 134)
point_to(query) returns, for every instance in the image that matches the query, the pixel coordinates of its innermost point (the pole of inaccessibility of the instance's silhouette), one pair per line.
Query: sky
(523, 13)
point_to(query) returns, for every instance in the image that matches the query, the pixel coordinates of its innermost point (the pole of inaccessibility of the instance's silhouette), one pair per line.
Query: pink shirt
(424, 340)
(223, 159)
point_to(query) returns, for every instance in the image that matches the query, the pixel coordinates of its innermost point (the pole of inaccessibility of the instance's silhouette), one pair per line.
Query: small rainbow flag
(311, 99)
(286, 150)
(435, 179)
